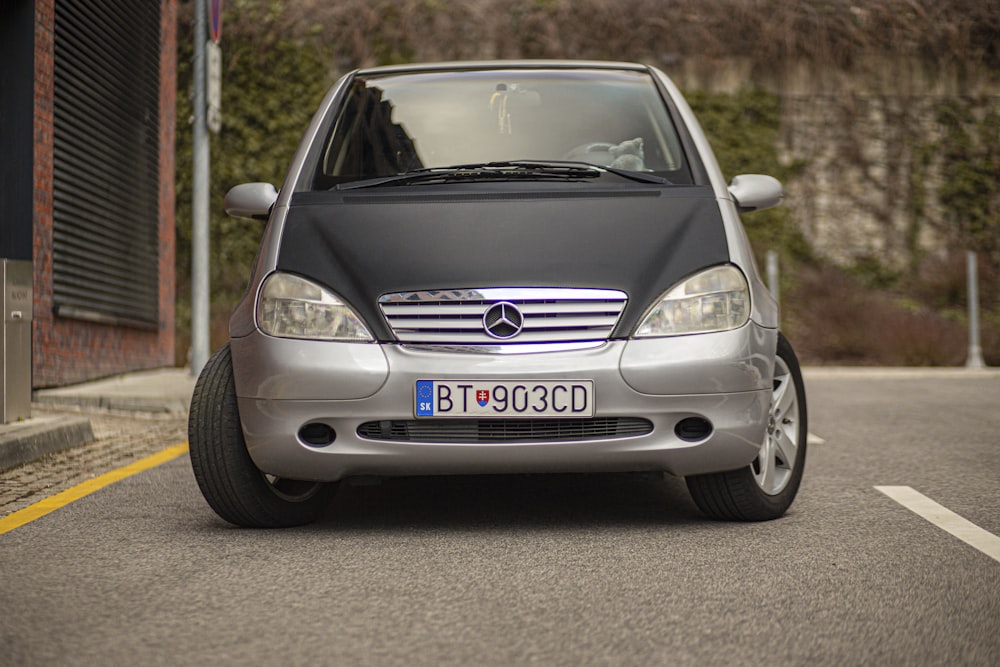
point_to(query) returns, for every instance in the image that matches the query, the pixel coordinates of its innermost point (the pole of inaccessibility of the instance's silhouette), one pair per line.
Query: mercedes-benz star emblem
(503, 320)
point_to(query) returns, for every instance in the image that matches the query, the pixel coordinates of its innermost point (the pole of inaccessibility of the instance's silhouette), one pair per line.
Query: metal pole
(975, 358)
(773, 275)
(199, 202)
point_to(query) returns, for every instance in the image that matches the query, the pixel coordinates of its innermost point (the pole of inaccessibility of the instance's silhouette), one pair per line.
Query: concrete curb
(114, 403)
(157, 392)
(899, 372)
(32, 439)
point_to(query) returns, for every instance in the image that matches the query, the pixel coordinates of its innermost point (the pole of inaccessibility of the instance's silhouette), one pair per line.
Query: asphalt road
(560, 570)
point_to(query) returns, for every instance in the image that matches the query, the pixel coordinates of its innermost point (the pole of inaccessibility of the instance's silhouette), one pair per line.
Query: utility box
(15, 340)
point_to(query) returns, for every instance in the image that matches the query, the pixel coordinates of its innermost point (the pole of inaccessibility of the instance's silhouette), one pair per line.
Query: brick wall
(65, 351)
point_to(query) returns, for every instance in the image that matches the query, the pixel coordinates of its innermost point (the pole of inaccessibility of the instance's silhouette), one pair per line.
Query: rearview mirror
(755, 192)
(251, 200)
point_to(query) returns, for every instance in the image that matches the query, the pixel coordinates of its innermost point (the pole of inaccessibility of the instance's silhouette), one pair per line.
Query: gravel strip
(120, 439)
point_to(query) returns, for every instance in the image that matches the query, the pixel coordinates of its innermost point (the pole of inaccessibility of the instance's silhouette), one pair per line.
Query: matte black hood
(640, 240)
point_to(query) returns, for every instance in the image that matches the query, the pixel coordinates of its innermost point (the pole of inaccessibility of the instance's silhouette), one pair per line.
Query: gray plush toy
(628, 155)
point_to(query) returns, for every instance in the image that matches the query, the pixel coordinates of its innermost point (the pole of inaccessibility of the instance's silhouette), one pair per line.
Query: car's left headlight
(290, 306)
(717, 299)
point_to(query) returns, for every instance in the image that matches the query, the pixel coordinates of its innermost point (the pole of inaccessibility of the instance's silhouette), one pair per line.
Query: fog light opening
(317, 434)
(693, 429)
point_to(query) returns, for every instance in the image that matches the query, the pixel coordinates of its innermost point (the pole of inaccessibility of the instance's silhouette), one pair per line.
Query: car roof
(473, 65)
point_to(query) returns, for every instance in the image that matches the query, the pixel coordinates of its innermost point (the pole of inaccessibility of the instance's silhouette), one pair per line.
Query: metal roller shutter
(106, 178)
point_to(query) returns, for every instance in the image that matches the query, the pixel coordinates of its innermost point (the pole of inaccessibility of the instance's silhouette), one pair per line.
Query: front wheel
(231, 483)
(765, 489)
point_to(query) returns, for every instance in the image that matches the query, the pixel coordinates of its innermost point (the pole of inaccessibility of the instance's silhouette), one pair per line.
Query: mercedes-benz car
(501, 267)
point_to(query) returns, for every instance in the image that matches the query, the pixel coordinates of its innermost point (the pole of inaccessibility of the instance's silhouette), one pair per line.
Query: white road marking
(813, 439)
(945, 519)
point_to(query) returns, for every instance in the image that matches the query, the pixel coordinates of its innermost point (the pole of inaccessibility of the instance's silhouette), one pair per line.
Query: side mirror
(251, 200)
(755, 192)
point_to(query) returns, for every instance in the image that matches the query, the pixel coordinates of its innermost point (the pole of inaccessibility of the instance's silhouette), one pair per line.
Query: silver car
(501, 267)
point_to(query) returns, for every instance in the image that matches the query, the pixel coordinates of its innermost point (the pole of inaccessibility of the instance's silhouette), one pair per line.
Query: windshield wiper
(480, 171)
(501, 170)
(639, 176)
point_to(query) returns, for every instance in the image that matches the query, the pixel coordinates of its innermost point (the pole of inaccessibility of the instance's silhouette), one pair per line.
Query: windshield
(396, 124)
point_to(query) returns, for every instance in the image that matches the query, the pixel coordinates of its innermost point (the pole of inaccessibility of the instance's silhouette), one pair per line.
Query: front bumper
(724, 378)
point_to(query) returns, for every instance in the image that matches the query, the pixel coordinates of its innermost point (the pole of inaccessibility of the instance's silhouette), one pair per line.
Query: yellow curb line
(74, 493)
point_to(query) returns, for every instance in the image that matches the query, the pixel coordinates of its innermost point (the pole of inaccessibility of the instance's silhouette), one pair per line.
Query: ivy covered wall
(881, 118)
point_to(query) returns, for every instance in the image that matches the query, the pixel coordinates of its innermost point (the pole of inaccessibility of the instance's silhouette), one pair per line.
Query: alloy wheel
(772, 469)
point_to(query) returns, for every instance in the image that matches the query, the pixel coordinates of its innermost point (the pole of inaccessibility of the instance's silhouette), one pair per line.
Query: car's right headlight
(717, 299)
(290, 306)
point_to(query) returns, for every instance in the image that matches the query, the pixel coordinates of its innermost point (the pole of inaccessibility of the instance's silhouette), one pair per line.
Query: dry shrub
(833, 318)
(941, 281)
(990, 334)
(921, 338)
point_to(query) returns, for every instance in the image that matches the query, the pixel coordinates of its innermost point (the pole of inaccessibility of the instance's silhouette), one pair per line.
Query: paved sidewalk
(160, 390)
(57, 422)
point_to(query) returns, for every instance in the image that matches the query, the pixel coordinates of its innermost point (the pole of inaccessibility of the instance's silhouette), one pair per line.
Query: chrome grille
(504, 430)
(550, 315)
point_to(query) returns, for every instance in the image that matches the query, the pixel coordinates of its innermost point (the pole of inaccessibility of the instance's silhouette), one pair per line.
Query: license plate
(506, 399)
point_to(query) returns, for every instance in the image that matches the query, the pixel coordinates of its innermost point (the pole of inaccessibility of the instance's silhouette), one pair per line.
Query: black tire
(740, 495)
(231, 483)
